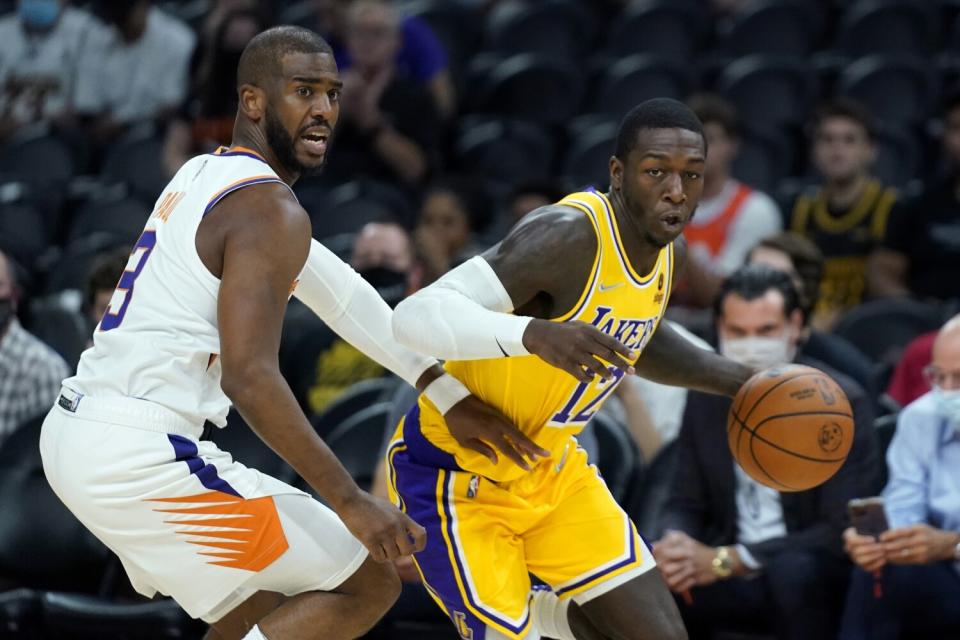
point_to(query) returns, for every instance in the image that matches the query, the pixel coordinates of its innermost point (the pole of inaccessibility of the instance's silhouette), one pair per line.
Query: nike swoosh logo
(610, 287)
(505, 354)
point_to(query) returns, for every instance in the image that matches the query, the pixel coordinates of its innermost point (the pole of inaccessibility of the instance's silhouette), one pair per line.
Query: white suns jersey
(159, 340)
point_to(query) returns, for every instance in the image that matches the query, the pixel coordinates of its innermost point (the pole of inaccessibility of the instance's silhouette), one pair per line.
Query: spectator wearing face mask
(30, 371)
(43, 40)
(752, 558)
(907, 581)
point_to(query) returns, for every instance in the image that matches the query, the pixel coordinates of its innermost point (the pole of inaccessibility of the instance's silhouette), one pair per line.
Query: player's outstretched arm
(536, 272)
(350, 306)
(265, 240)
(669, 358)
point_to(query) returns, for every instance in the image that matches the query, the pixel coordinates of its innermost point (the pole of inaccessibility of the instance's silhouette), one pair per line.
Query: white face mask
(948, 404)
(759, 352)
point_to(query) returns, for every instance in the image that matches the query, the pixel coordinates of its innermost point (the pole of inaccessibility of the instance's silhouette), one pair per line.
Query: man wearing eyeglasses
(907, 583)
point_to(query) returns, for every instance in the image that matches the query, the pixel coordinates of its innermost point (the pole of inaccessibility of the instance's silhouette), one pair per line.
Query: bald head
(944, 369)
(263, 56)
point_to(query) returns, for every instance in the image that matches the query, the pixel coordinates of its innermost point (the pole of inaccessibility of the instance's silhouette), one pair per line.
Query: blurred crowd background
(834, 136)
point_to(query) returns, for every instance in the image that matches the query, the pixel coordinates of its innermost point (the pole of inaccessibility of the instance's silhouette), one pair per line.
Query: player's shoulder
(557, 227)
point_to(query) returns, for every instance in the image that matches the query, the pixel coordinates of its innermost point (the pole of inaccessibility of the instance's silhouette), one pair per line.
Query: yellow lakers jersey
(546, 403)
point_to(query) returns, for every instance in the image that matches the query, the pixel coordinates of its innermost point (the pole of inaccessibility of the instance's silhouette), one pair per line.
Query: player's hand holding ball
(577, 347)
(384, 530)
(790, 427)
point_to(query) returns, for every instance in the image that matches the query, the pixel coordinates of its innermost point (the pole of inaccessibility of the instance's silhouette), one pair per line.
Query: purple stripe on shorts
(186, 450)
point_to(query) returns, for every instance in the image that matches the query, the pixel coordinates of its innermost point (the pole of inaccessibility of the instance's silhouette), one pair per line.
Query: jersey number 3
(117, 309)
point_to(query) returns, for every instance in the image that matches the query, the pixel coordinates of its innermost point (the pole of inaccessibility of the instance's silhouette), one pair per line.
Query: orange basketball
(790, 427)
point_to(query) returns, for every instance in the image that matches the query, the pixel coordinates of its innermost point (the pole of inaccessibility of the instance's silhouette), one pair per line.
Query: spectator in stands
(206, 120)
(920, 254)
(101, 285)
(732, 217)
(530, 195)
(42, 44)
(846, 217)
(420, 56)
(799, 258)
(908, 381)
(137, 71)
(320, 365)
(30, 371)
(751, 556)
(906, 584)
(453, 211)
(388, 125)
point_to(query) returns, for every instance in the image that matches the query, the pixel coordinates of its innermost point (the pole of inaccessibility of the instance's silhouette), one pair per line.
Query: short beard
(283, 148)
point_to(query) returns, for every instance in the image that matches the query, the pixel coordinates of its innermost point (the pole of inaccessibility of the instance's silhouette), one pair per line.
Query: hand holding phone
(867, 516)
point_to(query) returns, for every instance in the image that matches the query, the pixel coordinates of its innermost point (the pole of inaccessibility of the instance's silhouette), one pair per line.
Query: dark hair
(105, 273)
(710, 107)
(262, 57)
(807, 260)
(471, 195)
(844, 108)
(752, 281)
(658, 113)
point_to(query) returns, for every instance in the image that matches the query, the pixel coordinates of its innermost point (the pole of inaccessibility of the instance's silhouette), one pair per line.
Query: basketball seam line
(754, 434)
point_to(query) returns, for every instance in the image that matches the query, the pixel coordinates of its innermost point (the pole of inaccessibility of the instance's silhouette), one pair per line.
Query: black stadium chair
(21, 614)
(120, 216)
(559, 28)
(83, 617)
(36, 155)
(619, 457)
(764, 158)
(136, 160)
(504, 151)
(357, 397)
(769, 91)
(673, 28)
(633, 79)
(884, 427)
(649, 498)
(245, 446)
(65, 330)
(898, 157)
(882, 328)
(73, 265)
(587, 160)
(23, 232)
(532, 87)
(788, 27)
(898, 89)
(891, 26)
(353, 204)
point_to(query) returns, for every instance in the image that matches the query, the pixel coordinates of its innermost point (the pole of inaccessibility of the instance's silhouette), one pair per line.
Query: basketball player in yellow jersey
(543, 327)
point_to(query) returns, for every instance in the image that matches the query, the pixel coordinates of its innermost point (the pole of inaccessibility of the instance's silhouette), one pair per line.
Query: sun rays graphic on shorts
(239, 533)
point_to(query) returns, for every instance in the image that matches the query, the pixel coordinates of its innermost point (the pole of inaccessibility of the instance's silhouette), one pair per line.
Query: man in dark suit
(741, 555)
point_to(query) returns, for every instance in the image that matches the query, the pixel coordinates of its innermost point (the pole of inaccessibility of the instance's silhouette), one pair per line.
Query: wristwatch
(722, 563)
(956, 553)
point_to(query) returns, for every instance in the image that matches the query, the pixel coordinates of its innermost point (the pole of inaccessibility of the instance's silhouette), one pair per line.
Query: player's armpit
(671, 359)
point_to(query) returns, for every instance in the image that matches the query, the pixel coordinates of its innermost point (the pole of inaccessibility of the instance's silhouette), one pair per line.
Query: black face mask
(6, 312)
(390, 284)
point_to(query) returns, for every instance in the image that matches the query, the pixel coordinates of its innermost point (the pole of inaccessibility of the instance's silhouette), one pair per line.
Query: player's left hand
(481, 428)
(917, 544)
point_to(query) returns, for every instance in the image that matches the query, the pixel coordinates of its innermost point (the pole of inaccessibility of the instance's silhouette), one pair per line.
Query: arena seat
(788, 27)
(23, 232)
(353, 204)
(504, 151)
(673, 28)
(83, 617)
(898, 89)
(354, 399)
(627, 82)
(72, 266)
(136, 160)
(769, 91)
(898, 156)
(653, 489)
(619, 458)
(36, 155)
(246, 446)
(559, 29)
(65, 330)
(121, 216)
(531, 87)
(892, 26)
(882, 328)
(21, 614)
(456, 25)
(587, 160)
(764, 158)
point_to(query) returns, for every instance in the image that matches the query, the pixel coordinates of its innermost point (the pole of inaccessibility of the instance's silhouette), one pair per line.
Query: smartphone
(867, 516)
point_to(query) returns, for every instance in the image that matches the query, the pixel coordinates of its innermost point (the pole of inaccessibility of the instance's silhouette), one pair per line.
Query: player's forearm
(463, 316)
(671, 359)
(266, 403)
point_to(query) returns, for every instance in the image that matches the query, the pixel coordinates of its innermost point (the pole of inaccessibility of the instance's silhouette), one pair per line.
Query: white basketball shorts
(186, 519)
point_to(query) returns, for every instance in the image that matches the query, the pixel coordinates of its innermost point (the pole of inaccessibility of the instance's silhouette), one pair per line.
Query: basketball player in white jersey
(195, 324)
